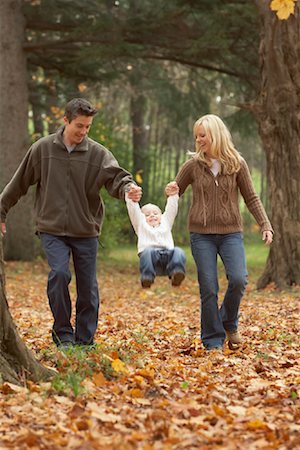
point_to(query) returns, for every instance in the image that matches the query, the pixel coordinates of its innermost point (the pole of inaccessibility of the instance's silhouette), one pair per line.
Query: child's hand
(172, 188)
(134, 193)
(3, 228)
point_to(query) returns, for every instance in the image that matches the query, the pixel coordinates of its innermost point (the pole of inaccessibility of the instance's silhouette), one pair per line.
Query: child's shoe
(146, 283)
(177, 278)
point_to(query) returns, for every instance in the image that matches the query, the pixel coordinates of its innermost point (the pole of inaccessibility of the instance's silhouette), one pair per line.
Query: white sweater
(149, 236)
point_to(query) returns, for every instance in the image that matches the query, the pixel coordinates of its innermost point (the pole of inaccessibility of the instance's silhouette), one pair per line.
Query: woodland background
(153, 68)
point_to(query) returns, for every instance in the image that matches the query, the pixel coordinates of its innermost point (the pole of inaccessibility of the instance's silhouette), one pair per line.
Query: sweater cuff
(266, 227)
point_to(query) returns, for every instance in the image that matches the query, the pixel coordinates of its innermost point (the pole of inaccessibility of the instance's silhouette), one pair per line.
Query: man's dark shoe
(177, 278)
(86, 347)
(65, 345)
(146, 283)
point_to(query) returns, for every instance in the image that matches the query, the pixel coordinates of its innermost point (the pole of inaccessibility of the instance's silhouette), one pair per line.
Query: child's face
(153, 215)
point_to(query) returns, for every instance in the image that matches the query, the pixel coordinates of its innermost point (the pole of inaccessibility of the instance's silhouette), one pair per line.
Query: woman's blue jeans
(205, 249)
(58, 250)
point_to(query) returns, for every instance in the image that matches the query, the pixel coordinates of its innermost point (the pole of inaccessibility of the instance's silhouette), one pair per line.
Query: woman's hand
(267, 237)
(172, 188)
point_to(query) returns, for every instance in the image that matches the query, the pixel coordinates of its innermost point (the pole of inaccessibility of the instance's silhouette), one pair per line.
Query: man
(69, 169)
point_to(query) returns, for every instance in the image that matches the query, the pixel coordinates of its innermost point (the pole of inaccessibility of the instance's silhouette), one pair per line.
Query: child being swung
(156, 250)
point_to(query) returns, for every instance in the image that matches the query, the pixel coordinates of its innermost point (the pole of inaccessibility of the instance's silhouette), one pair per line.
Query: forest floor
(149, 384)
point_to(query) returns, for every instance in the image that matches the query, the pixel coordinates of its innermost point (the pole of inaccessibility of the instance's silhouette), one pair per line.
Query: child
(156, 250)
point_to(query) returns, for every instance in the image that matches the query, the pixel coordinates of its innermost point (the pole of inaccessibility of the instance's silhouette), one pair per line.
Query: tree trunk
(277, 112)
(138, 106)
(51, 103)
(17, 362)
(19, 243)
(37, 110)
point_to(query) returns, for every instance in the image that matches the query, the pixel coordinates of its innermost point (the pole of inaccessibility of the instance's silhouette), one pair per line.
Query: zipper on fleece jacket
(68, 177)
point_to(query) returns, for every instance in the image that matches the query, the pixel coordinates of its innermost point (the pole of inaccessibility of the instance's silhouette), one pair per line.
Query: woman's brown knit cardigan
(215, 204)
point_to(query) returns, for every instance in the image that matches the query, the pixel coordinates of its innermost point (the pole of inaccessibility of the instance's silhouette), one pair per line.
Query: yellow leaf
(257, 425)
(275, 5)
(82, 87)
(284, 8)
(138, 178)
(118, 366)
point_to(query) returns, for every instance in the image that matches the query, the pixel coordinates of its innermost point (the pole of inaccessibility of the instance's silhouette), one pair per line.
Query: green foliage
(69, 383)
(117, 229)
(76, 364)
(126, 256)
(294, 395)
(184, 58)
(103, 132)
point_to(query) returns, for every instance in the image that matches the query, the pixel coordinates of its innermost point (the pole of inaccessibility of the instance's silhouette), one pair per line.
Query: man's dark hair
(79, 107)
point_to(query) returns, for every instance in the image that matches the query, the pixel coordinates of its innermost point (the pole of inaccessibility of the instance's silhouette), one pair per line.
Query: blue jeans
(58, 250)
(161, 261)
(214, 320)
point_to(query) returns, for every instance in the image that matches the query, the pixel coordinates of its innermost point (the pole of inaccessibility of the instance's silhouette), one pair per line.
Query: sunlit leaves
(138, 177)
(283, 8)
(149, 384)
(82, 87)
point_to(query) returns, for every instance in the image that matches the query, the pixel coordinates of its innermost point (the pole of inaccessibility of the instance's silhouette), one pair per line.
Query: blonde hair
(150, 205)
(222, 147)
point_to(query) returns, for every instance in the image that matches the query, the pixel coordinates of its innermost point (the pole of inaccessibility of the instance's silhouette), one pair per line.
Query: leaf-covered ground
(149, 384)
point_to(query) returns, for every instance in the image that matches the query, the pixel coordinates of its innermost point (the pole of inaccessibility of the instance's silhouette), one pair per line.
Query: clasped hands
(135, 192)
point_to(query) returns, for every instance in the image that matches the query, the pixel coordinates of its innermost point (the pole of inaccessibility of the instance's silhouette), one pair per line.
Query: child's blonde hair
(150, 205)
(222, 147)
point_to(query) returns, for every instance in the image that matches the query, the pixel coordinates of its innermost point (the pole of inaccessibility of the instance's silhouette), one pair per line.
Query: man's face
(76, 130)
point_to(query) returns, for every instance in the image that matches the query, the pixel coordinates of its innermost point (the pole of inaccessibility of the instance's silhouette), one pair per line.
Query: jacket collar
(58, 139)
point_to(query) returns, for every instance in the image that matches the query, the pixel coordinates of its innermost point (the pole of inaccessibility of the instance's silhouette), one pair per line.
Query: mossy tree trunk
(17, 362)
(19, 242)
(277, 113)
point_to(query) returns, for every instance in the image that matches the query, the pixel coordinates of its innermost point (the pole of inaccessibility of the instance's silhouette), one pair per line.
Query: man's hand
(267, 237)
(134, 193)
(3, 228)
(172, 188)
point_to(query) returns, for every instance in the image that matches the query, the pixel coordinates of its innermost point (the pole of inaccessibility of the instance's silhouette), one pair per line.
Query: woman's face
(203, 140)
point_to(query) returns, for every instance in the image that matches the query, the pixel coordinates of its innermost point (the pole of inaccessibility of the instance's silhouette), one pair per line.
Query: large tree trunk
(138, 108)
(278, 116)
(19, 242)
(17, 362)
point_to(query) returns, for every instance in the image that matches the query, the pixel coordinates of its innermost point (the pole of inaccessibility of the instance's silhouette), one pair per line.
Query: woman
(217, 173)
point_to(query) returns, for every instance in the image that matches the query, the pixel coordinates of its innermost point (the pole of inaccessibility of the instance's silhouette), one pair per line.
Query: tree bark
(277, 113)
(37, 112)
(138, 108)
(19, 242)
(17, 362)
